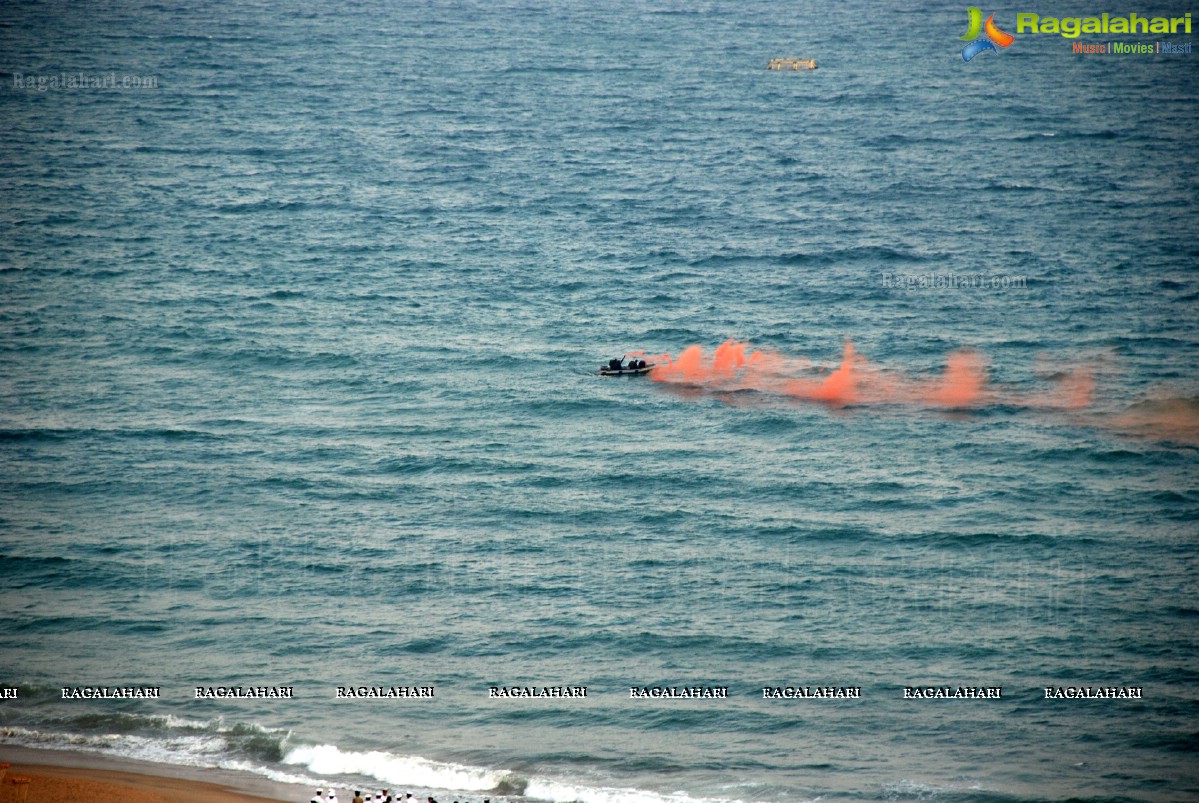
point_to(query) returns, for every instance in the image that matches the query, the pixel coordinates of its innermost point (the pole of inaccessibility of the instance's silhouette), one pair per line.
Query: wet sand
(60, 777)
(71, 784)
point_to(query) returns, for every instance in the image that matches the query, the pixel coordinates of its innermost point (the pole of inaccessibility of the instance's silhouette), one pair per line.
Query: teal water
(297, 387)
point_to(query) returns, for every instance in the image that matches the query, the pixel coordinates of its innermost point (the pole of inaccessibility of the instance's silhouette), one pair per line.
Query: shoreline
(62, 775)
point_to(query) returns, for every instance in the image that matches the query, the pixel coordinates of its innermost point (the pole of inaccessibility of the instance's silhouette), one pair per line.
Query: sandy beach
(49, 784)
(62, 777)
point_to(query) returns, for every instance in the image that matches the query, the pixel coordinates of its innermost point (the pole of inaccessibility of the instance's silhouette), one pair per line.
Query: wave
(274, 754)
(872, 254)
(329, 760)
(158, 739)
(570, 793)
(414, 771)
(34, 435)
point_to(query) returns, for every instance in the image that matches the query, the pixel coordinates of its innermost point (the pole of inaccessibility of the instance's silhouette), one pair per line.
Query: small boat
(791, 64)
(634, 367)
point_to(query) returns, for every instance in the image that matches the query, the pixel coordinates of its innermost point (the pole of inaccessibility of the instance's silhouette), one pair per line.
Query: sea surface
(300, 319)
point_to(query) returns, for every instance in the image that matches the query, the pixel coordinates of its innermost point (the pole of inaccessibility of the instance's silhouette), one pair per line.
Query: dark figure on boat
(614, 364)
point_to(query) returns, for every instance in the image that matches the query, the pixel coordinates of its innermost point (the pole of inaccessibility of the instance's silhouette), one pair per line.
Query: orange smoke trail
(963, 383)
(855, 380)
(839, 387)
(691, 367)
(691, 364)
(730, 356)
(1163, 418)
(1079, 388)
(1072, 389)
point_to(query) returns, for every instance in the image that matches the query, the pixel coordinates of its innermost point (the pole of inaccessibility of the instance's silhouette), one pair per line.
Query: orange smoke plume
(1165, 418)
(839, 387)
(855, 380)
(692, 368)
(963, 384)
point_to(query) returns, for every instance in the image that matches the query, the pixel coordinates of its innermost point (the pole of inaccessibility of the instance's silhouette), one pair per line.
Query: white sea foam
(327, 759)
(194, 743)
(559, 792)
(417, 772)
(193, 750)
(274, 775)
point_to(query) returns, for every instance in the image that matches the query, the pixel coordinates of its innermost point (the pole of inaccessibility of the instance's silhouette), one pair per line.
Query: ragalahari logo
(991, 35)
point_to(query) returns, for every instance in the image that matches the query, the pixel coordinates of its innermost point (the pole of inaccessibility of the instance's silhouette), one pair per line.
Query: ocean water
(297, 387)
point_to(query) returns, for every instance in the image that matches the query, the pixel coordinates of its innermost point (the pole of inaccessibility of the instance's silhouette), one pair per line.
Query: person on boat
(614, 364)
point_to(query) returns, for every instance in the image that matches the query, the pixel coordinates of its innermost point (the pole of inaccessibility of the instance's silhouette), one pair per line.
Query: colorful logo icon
(991, 35)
